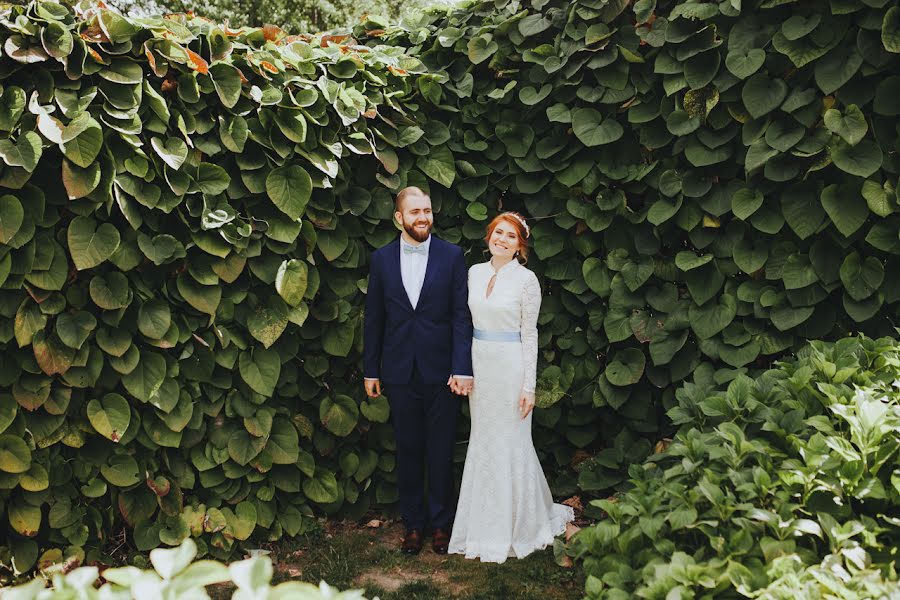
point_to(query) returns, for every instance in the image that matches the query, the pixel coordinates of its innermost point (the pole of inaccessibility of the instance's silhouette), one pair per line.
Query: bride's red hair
(516, 224)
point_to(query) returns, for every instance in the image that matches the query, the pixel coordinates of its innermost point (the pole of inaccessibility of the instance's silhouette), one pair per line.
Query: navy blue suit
(413, 351)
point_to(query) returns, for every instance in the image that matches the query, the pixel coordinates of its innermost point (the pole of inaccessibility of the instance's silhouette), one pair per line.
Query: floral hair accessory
(521, 220)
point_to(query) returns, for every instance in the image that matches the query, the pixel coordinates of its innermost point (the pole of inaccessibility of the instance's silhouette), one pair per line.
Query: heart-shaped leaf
(25, 152)
(861, 160)
(110, 416)
(851, 125)
(74, 328)
(292, 280)
(713, 317)
(267, 322)
(592, 130)
(80, 182)
(12, 215)
(627, 367)
(762, 95)
(861, 276)
(289, 188)
(799, 26)
(90, 245)
(173, 151)
(745, 202)
(260, 369)
(339, 414)
(845, 207)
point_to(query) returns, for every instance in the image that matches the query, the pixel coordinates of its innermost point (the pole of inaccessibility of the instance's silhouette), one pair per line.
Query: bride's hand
(526, 403)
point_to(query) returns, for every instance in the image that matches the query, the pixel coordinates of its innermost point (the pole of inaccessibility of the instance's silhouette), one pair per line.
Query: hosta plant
(799, 463)
(176, 575)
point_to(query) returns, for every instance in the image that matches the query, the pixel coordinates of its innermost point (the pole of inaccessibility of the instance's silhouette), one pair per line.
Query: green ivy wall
(186, 213)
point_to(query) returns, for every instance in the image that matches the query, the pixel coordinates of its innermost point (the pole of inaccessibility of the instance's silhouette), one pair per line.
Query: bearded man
(418, 350)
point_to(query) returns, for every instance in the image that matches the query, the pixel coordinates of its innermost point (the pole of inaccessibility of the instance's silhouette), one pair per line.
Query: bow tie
(420, 249)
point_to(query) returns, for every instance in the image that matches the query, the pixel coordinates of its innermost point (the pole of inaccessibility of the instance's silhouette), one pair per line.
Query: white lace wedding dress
(505, 508)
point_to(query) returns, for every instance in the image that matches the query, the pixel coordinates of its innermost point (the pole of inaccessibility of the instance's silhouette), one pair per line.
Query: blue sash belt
(496, 336)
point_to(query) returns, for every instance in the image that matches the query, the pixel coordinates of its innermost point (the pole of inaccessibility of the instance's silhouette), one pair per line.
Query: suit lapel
(430, 269)
(397, 283)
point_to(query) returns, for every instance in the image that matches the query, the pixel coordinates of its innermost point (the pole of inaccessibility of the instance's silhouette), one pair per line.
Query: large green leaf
(15, 456)
(227, 82)
(339, 414)
(439, 165)
(147, 377)
(292, 281)
(846, 208)
(713, 317)
(25, 152)
(851, 126)
(862, 160)
(109, 416)
(627, 367)
(890, 30)
(90, 244)
(289, 188)
(260, 369)
(74, 328)
(762, 95)
(12, 216)
(267, 322)
(83, 149)
(861, 276)
(173, 151)
(321, 488)
(592, 129)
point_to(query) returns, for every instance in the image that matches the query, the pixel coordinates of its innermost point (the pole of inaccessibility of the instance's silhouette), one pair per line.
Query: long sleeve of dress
(531, 306)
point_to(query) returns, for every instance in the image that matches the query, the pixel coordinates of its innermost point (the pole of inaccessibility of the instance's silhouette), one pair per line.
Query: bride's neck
(498, 263)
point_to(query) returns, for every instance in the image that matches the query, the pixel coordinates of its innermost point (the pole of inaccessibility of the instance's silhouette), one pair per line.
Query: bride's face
(504, 241)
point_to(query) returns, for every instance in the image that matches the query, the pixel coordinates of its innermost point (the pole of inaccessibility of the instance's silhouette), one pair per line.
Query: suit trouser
(424, 419)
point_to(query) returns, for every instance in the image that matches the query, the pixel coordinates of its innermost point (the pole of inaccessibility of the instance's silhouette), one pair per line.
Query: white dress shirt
(412, 268)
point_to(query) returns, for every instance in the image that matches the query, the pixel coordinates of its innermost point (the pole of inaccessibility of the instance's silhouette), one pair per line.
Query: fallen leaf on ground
(575, 502)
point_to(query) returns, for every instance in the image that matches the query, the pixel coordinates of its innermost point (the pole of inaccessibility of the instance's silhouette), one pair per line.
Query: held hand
(373, 388)
(460, 387)
(526, 403)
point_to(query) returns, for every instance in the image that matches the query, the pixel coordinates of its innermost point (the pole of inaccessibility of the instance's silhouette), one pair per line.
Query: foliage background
(292, 15)
(187, 212)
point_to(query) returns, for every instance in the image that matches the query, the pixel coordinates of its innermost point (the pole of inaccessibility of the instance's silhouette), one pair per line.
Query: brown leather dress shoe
(440, 540)
(412, 542)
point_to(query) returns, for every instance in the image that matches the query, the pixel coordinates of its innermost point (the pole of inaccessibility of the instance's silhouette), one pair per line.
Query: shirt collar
(511, 265)
(426, 243)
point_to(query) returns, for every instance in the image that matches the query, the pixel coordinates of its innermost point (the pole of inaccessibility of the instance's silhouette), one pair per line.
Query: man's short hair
(406, 193)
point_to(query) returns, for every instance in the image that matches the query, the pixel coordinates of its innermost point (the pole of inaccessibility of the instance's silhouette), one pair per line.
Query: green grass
(349, 556)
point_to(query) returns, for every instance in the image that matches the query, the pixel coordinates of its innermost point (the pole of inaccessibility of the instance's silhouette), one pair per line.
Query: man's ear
(398, 217)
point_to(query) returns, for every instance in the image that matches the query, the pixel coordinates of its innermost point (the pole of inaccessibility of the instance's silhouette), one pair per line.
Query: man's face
(416, 218)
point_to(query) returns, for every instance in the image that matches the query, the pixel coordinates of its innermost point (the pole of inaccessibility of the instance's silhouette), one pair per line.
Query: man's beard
(418, 235)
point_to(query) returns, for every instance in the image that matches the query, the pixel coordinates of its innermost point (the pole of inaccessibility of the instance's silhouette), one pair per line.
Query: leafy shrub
(186, 212)
(175, 574)
(799, 464)
(709, 181)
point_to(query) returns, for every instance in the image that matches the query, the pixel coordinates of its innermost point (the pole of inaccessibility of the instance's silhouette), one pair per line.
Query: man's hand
(461, 386)
(373, 388)
(526, 403)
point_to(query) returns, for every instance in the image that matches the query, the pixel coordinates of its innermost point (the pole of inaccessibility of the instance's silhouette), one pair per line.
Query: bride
(505, 508)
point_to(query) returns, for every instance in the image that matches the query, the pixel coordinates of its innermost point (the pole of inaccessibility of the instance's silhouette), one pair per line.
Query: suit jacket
(436, 335)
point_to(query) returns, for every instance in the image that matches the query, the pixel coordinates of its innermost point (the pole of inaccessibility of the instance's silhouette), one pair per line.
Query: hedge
(187, 213)
(175, 574)
(785, 485)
